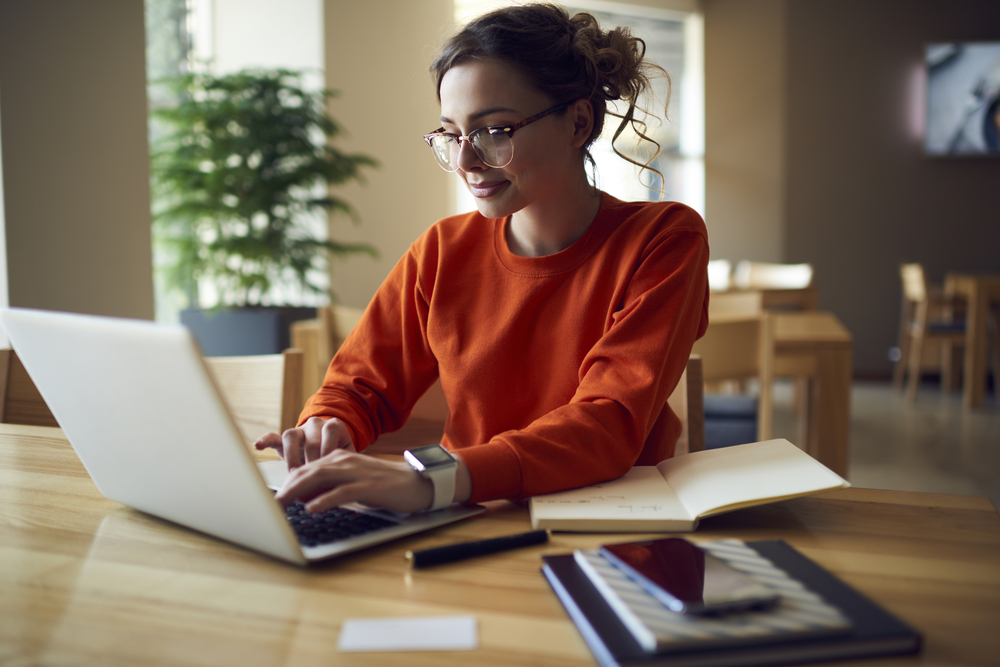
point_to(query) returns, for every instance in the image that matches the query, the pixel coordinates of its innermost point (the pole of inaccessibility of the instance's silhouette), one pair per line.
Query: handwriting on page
(616, 504)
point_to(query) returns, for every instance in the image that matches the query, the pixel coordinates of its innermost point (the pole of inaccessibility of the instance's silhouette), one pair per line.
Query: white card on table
(419, 633)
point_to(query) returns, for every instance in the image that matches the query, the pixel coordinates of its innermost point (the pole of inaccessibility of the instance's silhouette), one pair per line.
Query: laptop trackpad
(273, 472)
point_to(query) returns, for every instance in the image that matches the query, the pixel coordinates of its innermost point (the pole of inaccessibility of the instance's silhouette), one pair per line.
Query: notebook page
(719, 480)
(641, 494)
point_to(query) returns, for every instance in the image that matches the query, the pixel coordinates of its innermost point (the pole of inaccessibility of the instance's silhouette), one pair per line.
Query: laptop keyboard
(332, 525)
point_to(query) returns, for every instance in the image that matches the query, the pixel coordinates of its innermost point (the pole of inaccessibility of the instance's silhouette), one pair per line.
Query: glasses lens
(445, 151)
(493, 147)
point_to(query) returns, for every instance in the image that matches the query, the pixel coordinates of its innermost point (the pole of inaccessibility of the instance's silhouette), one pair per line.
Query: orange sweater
(556, 369)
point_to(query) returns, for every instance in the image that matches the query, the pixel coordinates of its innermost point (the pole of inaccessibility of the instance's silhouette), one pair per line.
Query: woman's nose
(468, 158)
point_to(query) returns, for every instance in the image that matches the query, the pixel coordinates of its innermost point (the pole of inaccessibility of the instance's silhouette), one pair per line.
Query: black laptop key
(332, 525)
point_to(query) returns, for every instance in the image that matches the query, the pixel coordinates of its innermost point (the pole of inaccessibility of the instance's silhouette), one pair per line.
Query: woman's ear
(581, 113)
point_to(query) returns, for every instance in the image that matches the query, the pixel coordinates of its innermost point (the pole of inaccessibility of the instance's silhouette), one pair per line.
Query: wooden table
(814, 347)
(86, 581)
(751, 301)
(979, 292)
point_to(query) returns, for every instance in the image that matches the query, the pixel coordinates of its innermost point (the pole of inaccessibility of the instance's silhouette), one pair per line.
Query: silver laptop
(139, 406)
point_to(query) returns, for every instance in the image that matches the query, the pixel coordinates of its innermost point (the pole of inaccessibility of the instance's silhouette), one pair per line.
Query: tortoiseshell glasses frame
(492, 144)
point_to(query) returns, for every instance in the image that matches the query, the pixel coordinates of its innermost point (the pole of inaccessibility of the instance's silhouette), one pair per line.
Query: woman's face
(485, 93)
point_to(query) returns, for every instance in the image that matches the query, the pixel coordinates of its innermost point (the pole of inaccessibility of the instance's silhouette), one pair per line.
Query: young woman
(558, 318)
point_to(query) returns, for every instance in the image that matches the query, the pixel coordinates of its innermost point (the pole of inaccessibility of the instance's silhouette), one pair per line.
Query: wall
(75, 157)
(745, 99)
(862, 197)
(377, 55)
(843, 180)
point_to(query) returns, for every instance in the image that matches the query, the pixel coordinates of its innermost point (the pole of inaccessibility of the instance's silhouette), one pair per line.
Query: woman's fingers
(310, 442)
(293, 442)
(270, 441)
(334, 435)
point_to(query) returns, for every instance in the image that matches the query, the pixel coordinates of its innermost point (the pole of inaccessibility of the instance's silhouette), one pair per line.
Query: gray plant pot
(243, 331)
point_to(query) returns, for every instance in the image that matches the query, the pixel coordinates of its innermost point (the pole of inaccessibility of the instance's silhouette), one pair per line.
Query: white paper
(421, 633)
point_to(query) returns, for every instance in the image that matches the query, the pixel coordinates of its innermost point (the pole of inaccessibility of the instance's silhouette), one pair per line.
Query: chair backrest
(263, 392)
(20, 400)
(914, 282)
(741, 349)
(335, 322)
(687, 402)
(719, 274)
(319, 339)
(766, 275)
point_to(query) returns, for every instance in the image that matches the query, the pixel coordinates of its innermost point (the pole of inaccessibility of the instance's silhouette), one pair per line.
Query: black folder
(875, 632)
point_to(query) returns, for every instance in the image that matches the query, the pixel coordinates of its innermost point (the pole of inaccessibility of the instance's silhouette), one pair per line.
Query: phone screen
(686, 578)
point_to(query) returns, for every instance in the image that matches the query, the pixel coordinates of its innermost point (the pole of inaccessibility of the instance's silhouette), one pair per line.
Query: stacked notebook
(819, 616)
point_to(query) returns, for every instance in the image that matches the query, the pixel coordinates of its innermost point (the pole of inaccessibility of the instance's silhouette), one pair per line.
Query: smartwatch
(435, 463)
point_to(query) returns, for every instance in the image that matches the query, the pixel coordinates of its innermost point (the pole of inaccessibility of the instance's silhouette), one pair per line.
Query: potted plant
(240, 183)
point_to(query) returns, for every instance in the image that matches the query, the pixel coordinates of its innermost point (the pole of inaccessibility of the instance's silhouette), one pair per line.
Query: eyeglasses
(493, 145)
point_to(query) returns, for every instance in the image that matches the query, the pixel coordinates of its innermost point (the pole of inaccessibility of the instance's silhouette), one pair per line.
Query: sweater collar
(564, 260)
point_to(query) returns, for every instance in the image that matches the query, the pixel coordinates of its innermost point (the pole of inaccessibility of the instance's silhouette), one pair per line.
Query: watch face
(430, 456)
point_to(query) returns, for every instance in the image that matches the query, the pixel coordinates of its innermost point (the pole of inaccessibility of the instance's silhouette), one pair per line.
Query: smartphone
(687, 579)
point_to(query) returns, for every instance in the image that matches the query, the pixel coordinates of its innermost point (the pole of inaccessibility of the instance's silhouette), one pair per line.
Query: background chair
(739, 348)
(927, 316)
(719, 274)
(319, 339)
(687, 402)
(765, 275)
(20, 401)
(262, 392)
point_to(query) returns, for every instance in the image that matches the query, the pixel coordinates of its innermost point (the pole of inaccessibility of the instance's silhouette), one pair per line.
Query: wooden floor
(932, 446)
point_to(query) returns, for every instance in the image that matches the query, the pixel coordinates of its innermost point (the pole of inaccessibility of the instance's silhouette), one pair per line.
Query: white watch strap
(444, 487)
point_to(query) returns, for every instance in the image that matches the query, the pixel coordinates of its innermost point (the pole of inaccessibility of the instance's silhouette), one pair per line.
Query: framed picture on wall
(963, 98)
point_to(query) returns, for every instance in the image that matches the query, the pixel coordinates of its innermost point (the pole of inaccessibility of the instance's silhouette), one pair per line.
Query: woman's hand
(310, 442)
(344, 476)
(325, 470)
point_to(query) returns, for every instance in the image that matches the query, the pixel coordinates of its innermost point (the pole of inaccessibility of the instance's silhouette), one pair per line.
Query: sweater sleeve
(384, 365)
(624, 383)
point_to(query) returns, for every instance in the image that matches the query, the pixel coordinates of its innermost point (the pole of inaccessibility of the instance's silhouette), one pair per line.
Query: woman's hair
(566, 58)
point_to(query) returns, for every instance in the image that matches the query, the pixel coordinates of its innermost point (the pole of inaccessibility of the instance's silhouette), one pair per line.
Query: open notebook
(140, 408)
(676, 494)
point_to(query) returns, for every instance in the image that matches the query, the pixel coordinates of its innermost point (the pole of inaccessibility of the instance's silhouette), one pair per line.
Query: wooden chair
(766, 275)
(927, 316)
(720, 272)
(687, 402)
(742, 348)
(263, 392)
(319, 340)
(20, 401)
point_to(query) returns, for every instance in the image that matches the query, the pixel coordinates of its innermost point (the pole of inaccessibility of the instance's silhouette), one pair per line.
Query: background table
(979, 291)
(757, 300)
(816, 348)
(84, 580)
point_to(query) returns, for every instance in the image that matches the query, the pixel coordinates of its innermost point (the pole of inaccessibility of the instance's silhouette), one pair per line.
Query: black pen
(454, 552)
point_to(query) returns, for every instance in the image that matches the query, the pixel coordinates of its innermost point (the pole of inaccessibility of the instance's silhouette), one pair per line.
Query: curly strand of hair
(620, 71)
